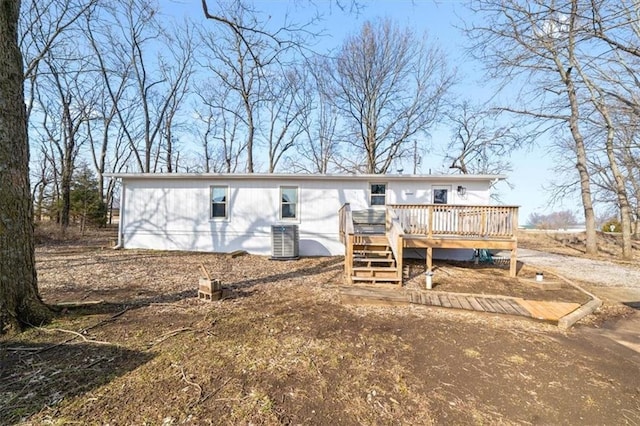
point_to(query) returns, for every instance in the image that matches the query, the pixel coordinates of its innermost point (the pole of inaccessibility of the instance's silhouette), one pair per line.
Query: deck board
(486, 306)
(550, 311)
(474, 303)
(444, 300)
(541, 310)
(507, 305)
(464, 303)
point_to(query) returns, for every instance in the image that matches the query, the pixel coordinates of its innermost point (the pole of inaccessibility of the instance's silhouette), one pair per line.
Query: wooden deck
(427, 226)
(540, 310)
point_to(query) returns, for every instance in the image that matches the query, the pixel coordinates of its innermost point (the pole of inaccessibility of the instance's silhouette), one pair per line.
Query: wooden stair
(373, 261)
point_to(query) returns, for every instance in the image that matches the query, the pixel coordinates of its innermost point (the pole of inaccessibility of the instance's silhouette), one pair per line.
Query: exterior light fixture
(462, 191)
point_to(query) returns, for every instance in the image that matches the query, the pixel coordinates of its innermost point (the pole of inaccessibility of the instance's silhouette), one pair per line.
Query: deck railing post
(400, 251)
(348, 259)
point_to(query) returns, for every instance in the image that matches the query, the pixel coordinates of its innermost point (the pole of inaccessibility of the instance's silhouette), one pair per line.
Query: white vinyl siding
(176, 213)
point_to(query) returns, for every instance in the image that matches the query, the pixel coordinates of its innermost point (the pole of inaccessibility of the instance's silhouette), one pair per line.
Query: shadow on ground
(37, 376)
(634, 305)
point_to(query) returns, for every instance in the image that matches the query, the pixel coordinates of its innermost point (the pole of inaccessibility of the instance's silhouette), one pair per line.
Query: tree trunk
(20, 303)
(621, 189)
(581, 152)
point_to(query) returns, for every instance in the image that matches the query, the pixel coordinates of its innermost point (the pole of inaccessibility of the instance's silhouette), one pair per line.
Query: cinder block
(209, 289)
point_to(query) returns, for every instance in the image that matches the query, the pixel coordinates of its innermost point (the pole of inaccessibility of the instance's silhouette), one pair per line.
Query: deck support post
(400, 250)
(429, 259)
(348, 259)
(513, 262)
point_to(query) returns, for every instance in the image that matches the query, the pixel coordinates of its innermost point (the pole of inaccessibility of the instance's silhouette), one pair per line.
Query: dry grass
(282, 349)
(573, 244)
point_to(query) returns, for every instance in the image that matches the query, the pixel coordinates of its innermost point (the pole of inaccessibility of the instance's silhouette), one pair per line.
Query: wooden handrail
(395, 234)
(347, 237)
(458, 220)
(346, 222)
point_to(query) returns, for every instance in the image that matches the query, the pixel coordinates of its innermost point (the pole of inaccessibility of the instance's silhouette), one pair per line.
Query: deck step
(371, 246)
(380, 256)
(370, 240)
(375, 259)
(374, 272)
(372, 252)
(376, 280)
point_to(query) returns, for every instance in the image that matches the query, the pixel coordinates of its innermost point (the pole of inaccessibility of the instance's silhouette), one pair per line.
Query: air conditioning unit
(284, 242)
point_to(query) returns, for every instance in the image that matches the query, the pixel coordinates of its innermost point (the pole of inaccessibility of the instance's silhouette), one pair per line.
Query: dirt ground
(573, 244)
(281, 348)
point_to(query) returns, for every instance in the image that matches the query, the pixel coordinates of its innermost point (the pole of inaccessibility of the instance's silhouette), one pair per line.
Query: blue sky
(440, 19)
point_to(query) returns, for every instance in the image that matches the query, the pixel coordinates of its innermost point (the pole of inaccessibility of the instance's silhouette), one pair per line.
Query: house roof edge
(305, 176)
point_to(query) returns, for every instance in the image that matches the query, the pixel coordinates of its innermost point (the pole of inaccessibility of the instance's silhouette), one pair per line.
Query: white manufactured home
(228, 212)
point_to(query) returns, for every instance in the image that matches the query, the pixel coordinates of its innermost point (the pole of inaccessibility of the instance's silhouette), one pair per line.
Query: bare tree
(43, 23)
(181, 55)
(597, 97)
(389, 86)
(240, 59)
(536, 43)
(65, 101)
(479, 143)
(126, 45)
(284, 109)
(219, 115)
(318, 147)
(20, 303)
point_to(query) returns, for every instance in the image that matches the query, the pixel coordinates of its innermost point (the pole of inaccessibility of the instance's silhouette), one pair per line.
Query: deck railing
(395, 235)
(457, 220)
(346, 222)
(347, 237)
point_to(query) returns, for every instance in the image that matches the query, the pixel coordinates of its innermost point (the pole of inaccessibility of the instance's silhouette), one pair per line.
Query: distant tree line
(555, 220)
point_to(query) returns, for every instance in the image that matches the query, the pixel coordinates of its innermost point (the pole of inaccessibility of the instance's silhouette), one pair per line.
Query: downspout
(120, 244)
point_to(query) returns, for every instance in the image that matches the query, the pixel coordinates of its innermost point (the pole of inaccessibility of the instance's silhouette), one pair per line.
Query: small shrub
(612, 225)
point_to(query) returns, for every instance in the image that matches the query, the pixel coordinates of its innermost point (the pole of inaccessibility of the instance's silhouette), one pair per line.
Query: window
(378, 194)
(288, 202)
(219, 197)
(440, 195)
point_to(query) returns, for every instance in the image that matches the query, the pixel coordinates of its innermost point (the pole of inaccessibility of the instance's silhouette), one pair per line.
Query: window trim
(371, 194)
(281, 203)
(441, 187)
(226, 203)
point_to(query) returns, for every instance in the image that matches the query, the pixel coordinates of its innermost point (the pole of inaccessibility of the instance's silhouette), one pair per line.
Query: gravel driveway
(596, 272)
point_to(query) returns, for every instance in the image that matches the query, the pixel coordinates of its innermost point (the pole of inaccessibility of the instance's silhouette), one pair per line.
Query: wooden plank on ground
(521, 311)
(486, 306)
(453, 299)
(475, 304)
(549, 311)
(496, 306)
(236, 253)
(205, 272)
(435, 300)
(507, 306)
(444, 300)
(464, 302)
(424, 298)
